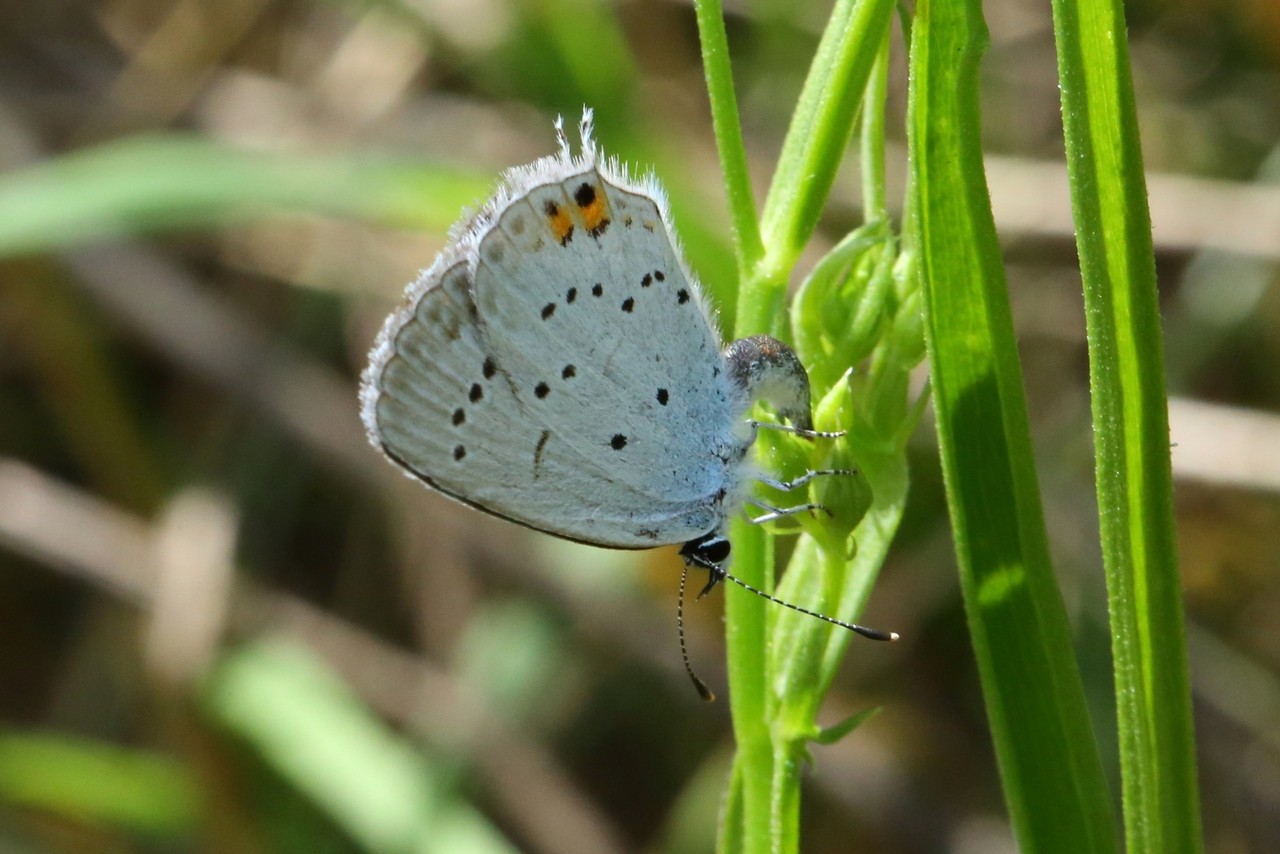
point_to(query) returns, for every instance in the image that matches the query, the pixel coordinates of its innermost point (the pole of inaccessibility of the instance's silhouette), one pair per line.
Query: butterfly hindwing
(445, 409)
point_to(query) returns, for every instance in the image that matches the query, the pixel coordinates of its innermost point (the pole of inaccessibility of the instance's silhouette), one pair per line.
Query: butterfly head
(763, 368)
(709, 552)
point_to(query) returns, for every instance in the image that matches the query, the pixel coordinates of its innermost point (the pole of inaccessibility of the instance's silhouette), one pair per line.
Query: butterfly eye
(716, 551)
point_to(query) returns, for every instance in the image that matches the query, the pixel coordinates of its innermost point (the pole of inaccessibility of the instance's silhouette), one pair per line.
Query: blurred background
(227, 625)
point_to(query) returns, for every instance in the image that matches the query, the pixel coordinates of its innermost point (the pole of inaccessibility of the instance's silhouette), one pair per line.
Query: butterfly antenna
(703, 691)
(873, 634)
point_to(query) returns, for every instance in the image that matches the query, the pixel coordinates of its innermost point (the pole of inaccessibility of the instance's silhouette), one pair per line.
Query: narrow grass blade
(1131, 429)
(1052, 776)
(94, 782)
(372, 782)
(163, 182)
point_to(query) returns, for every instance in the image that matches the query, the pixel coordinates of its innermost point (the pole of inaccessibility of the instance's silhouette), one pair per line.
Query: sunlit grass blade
(1131, 429)
(89, 781)
(306, 725)
(1053, 781)
(159, 182)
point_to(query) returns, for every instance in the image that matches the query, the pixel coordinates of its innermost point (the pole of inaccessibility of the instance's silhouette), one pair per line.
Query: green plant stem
(812, 152)
(799, 690)
(728, 132)
(746, 642)
(821, 127)
(1131, 429)
(744, 825)
(807, 653)
(764, 783)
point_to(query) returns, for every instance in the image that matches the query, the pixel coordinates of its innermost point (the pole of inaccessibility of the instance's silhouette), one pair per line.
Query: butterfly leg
(798, 431)
(802, 480)
(781, 512)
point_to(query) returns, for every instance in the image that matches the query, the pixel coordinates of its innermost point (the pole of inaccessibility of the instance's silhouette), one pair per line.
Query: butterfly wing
(560, 370)
(581, 277)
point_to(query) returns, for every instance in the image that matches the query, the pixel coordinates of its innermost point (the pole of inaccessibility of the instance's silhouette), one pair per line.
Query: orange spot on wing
(559, 221)
(595, 214)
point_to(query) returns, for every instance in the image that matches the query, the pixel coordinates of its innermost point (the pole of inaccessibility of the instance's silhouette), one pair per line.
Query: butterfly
(559, 366)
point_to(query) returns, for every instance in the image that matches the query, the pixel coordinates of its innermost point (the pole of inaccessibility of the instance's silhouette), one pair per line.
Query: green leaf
(1131, 429)
(509, 653)
(316, 734)
(92, 781)
(832, 734)
(1049, 764)
(161, 182)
